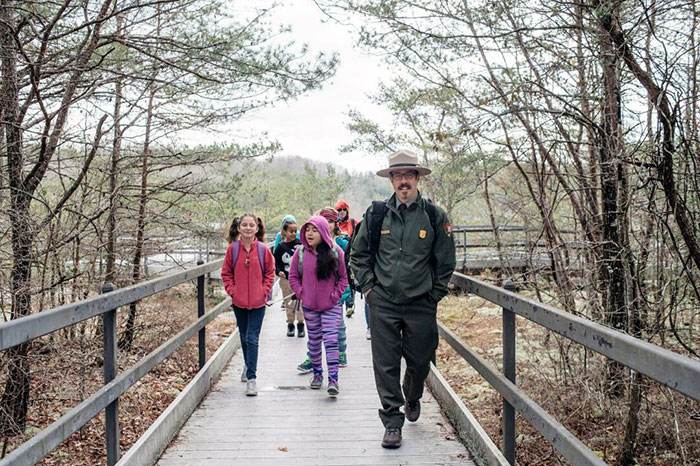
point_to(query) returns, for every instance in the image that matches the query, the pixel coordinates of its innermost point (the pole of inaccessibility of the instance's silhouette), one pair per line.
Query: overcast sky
(313, 126)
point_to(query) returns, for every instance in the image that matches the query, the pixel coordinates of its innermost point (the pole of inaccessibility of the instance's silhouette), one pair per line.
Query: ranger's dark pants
(408, 330)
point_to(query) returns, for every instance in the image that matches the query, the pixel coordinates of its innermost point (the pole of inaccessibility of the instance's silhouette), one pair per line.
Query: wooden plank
(156, 439)
(290, 424)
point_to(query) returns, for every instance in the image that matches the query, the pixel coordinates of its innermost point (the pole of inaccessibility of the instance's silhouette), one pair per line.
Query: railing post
(509, 372)
(200, 313)
(109, 338)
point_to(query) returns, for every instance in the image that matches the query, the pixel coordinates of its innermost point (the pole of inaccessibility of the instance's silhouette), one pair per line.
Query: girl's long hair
(234, 234)
(326, 262)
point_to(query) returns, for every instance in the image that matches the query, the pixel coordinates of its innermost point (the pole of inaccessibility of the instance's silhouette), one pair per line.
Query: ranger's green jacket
(411, 260)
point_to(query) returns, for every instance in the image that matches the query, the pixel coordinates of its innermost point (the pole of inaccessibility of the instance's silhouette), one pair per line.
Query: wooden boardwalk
(289, 424)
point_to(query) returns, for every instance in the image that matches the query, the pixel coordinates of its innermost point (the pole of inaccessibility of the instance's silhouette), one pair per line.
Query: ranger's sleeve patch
(447, 228)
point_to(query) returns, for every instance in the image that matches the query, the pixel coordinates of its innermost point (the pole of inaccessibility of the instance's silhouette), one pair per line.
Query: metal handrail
(24, 329)
(677, 372)
(106, 398)
(671, 369)
(563, 440)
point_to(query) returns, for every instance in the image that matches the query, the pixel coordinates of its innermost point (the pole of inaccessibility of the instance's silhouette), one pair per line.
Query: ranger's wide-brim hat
(403, 160)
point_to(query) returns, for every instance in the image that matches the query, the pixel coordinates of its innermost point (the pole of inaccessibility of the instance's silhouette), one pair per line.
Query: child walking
(331, 217)
(248, 274)
(318, 279)
(283, 258)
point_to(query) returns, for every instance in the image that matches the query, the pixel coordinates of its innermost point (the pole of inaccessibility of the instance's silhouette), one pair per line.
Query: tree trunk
(111, 272)
(127, 339)
(494, 227)
(15, 399)
(609, 145)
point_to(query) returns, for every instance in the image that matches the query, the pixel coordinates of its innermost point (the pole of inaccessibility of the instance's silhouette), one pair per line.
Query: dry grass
(567, 381)
(67, 368)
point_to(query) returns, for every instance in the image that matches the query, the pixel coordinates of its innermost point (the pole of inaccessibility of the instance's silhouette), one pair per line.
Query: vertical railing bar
(109, 337)
(509, 373)
(200, 313)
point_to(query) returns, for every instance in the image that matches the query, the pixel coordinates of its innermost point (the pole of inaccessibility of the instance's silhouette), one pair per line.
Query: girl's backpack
(261, 259)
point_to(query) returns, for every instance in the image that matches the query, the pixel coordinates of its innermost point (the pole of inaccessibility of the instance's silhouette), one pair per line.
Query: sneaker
(251, 390)
(244, 378)
(333, 389)
(392, 437)
(290, 330)
(316, 381)
(349, 311)
(368, 335)
(412, 410)
(342, 359)
(305, 367)
(301, 333)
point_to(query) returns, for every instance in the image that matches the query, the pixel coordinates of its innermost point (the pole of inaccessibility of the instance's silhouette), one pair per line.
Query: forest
(556, 116)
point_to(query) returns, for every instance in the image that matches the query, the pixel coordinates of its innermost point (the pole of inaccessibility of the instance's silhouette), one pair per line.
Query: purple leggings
(323, 327)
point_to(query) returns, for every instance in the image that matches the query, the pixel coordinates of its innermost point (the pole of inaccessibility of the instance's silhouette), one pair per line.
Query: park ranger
(402, 260)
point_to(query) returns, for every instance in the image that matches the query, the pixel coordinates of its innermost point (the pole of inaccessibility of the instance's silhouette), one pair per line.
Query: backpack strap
(301, 262)
(376, 218)
(235, 252)
(432, 215)
(337, 256)
(261, 257)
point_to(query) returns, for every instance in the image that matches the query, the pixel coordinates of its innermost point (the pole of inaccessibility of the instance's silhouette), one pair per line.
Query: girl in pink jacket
(248, 274)
(318, 278)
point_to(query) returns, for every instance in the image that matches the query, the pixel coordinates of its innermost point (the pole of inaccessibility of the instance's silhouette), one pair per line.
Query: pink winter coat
(315, 294)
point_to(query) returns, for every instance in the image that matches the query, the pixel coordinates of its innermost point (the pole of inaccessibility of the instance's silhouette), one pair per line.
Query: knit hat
(329, 213)
(287, 218)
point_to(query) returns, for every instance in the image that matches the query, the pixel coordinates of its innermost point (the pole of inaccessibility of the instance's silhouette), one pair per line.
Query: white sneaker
(252, 389)
(244, 378)
(369, 334)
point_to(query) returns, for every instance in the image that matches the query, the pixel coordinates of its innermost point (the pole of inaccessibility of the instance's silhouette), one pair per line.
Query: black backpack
(376, 217)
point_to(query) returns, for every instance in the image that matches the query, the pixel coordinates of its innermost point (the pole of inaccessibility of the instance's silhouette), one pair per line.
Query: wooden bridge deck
(290, 424)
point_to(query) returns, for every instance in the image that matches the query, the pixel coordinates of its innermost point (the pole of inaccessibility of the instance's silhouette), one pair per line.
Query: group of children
(310, 263)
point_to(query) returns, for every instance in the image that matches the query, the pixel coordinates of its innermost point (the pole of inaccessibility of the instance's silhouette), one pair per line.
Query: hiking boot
(349, 311)
(251, 390)
(290, 330)
(300, 330)
(412, 410)
(342, 359)
(305, 367)
(333, 389)
(316, 381)
(392, 437)
(368, 335)
(244, 378)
